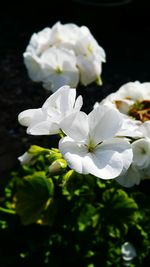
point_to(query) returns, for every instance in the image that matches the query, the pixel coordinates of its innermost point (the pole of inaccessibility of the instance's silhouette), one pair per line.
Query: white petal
(66, 33)
(141, 152)
(104, 123)
(33, 65)
(43, 128)
(25, 158)
(73, 153)
(78, 103)
(130, 127)
(25, 117)
(131, 90)
(62, 99)
(59, 57)
(55, 81)
(75, 126)
(123, 105)
(62, 102)
(87, 45)
(145, 129)
(104, 164)
(39, 41)
(130, 178)
(89, 69)
(121, 146)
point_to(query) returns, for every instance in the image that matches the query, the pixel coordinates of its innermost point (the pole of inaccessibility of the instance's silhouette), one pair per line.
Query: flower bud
(25, 158)
(57, 167)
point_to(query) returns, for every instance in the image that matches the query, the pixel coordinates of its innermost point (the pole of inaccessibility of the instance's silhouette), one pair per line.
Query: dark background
(122, 30)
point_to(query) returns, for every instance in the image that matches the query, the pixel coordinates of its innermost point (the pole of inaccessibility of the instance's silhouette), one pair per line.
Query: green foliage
(33, 197)
(81, 218)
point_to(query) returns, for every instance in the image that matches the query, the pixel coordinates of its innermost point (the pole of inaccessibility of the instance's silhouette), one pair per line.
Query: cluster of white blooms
(133, 101)
(112, 141)
(64, 54)
(97, 143)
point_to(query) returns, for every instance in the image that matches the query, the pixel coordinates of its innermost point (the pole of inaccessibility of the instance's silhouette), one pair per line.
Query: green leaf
(49, 213)
(120, 200)
(33, 192)
(119, 209)
(87, 216)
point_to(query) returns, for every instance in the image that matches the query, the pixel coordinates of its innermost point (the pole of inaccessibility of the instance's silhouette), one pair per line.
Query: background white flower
(140, 167)
(91, 145)
(128, 95)
(64, 54)
(65, 35)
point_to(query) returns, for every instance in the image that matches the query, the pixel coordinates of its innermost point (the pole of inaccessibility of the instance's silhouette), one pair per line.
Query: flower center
(91, 145)
(90, 48)
(59, 70)
(141, 110)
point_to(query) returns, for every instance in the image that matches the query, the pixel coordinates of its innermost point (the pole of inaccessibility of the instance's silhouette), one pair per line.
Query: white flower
(59, 68)
(140, 167)
(90, 56)
(90, 69)
(39, 42)
(87, 45)
(128, 94)
(128, 251)
(64, 35)
(46, 120)
(91, 145)
(64, 54)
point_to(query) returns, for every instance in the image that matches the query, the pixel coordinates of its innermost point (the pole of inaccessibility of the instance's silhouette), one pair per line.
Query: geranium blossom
(46, 120)
(92, 146)
(64, 54)
(131, 99)
(140, 167)
(65, 35)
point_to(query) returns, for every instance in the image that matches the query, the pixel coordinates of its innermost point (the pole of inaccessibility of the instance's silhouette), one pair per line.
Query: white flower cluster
(133, 101)
(97, 143)
(64, 54)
